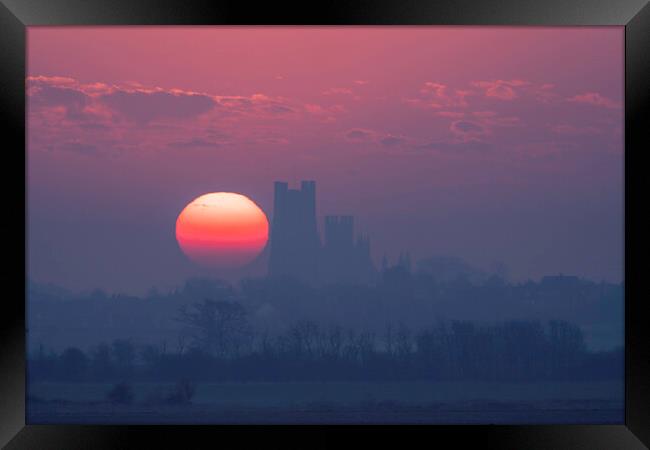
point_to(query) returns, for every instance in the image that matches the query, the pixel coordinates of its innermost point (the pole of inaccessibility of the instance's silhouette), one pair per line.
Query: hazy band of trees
(440, 290)
(431, 323)
(219, 344)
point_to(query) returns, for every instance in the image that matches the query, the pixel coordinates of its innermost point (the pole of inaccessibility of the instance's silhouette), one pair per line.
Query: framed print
(377, 218)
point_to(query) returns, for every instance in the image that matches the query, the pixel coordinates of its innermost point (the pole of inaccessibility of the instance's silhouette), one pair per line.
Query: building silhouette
(294, 237)
(295, 244)
(344, 260)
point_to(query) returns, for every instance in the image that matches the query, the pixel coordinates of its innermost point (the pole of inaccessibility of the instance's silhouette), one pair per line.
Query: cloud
(142, 104)
(392, 141)
(594, 98)
(437, 89)
(468, 131)
(484, 114)
(496, 90)
(277, 108)
(315, 109)
(325, 114)
(51, 80)
(143, 107)
(338, 90)
(450, 114)
(358, 134)
(193, 143)
(71, 99)
(375, 137)
(77, 147)
(451, 101)
(438, 95)
(465, 127)
(99, 111)
(509, 90)
(92, 126)
(571, 130)
(272, 140)
(416, 102)
(501, 121)
(501, 89)
(256, 105)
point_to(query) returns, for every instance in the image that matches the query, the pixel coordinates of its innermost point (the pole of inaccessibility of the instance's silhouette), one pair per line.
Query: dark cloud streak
(143, 107)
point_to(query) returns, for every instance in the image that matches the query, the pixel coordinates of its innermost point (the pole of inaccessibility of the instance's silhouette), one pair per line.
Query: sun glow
(222, 229)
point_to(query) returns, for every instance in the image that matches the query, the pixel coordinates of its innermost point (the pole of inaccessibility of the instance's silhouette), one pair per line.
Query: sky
(491, 144)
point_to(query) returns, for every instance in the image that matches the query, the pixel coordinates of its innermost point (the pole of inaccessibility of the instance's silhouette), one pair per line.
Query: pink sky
(487, 143)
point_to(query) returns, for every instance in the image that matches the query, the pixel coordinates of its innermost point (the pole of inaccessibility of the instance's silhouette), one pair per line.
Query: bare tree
(217, 327)
(303, 338)
(124, 354)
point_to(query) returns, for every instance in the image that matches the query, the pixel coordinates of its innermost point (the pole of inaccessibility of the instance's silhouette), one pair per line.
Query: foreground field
(420, 402)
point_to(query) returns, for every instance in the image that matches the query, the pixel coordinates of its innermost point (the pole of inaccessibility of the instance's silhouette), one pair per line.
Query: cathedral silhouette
(296, 249)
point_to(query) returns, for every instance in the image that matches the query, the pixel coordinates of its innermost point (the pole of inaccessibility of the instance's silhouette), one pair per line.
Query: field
(345, 402)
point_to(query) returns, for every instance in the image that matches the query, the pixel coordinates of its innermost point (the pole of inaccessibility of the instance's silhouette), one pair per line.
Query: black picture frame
(16, 15)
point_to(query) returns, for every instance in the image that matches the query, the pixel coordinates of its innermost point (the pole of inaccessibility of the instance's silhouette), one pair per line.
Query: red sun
(222, 230)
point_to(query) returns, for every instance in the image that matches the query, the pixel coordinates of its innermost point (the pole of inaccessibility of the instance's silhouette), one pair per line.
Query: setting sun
(222, 229)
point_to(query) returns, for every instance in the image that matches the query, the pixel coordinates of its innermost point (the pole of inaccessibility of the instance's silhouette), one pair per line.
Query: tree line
(218, 343)
(415, 299)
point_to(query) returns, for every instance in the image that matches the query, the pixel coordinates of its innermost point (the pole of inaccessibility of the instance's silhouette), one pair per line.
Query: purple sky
(486, 143)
